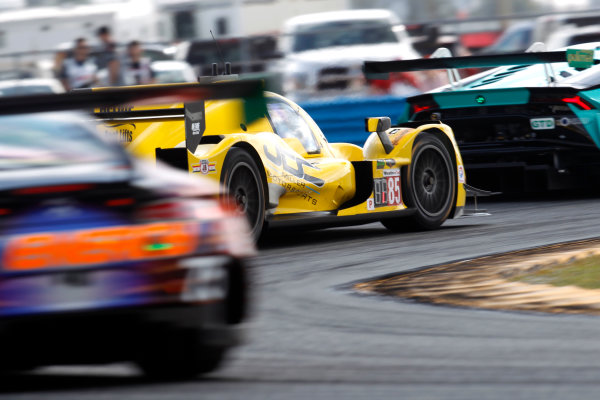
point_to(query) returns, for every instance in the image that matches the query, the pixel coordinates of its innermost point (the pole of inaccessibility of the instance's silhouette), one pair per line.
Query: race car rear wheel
(429, 186)
(244, 183)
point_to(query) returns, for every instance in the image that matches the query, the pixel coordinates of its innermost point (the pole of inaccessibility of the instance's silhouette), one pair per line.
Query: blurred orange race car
(107, 258)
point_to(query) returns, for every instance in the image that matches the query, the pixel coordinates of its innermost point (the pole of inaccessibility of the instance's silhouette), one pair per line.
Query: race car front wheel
(178, 355)
(429, 186)
(245, 186)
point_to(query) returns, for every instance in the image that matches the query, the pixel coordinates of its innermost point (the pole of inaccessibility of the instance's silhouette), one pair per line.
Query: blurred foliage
(584, 273)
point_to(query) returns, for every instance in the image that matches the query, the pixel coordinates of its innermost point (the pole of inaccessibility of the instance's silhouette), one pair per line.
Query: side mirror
(380, 125)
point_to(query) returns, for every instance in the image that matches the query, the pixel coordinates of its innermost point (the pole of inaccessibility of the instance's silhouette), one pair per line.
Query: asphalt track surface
(312, 338)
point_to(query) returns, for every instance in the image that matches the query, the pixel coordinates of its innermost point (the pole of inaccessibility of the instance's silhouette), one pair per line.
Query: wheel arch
(256, 157)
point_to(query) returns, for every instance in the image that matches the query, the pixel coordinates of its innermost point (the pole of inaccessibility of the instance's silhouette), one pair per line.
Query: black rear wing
(442, 59)
(115, 102)
(484, 61)
(251, 91)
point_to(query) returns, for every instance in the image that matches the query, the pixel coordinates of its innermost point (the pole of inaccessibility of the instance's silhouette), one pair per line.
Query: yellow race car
(280, 169)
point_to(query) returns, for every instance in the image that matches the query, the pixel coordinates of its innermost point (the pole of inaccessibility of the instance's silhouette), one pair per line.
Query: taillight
(127, 201)
(578, 102)
(423, 103)
(418, 108)
(554, 97)
(52, 189)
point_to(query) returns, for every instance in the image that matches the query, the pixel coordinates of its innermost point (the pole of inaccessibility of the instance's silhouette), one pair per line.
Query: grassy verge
(584, 273)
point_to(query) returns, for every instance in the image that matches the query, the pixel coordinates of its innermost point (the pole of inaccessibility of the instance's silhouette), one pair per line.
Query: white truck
(323, 53)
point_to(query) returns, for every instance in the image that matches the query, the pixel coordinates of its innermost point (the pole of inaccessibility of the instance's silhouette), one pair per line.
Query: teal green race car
(532, 124)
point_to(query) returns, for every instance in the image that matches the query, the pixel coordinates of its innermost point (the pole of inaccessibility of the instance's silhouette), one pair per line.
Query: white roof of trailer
(335, 16)
(68, 12)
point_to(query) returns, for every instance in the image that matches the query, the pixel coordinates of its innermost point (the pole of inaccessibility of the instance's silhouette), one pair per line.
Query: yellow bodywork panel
(297, 180)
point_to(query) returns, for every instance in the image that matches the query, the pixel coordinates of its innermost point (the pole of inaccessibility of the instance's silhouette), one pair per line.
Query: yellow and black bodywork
(298, 177)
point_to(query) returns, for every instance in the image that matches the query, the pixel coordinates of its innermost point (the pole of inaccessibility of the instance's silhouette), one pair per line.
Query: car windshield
(287, 123)
(342, 33)
(52, 139)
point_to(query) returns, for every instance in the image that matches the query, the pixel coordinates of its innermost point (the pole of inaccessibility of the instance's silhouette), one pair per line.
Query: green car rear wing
(442, 59)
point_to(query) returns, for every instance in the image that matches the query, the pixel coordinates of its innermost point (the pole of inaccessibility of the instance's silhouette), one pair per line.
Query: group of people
(105, 66)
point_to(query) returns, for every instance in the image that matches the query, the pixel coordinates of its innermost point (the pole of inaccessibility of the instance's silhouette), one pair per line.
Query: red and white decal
(461, 174)
(205, 167)
(387, 190)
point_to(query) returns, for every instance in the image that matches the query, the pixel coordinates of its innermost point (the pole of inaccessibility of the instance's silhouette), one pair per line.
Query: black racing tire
(244, 183)
(178, 355)
(429, 186)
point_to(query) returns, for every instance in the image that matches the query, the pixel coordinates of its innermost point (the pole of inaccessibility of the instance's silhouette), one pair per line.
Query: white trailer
(41, 29)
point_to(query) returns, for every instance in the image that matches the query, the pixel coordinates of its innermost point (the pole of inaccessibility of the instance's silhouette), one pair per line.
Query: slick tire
(244, 183)
(179, 355)
(429, 186)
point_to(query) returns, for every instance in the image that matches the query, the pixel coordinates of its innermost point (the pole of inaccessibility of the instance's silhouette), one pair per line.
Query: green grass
(584, 273)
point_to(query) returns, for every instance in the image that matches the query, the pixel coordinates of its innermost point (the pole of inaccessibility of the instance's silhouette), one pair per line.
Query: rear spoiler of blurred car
(442, 59)
(251, 91)
(115, 101)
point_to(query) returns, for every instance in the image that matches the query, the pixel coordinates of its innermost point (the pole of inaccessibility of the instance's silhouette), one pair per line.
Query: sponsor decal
(461, 174)
(205, 167)
(294, 185)
(370, 204)
(580, 58)
(387, 190)
(195, 128)
(564, 121)
(123, 132)
(100, 246)
(556, 109)
(391, 172)
(116, 109)
(541, 123)
(284, 159)
(389, 162)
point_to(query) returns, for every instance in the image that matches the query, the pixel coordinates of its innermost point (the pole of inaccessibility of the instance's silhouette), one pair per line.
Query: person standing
(136, 69)
(78, 71)
(107, 56)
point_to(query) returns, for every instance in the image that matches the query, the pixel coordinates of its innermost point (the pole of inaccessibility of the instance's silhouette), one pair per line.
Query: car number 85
(387, 190)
